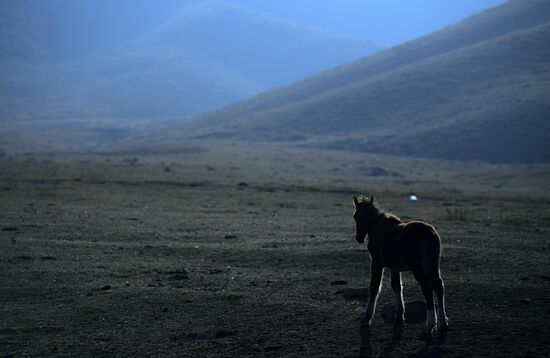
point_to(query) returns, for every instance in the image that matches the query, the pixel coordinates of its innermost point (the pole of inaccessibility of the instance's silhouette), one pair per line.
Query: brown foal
(401, 246)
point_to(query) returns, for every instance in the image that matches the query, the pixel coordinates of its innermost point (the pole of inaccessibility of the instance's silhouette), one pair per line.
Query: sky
(384, 22)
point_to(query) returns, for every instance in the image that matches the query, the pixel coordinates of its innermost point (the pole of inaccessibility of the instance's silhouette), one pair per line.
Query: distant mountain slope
(203, 57)
(154, 84)
(474, 91)
(270, 50)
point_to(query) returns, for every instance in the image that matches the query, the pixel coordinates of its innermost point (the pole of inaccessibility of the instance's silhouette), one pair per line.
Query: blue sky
(81, 26)
(385, 22)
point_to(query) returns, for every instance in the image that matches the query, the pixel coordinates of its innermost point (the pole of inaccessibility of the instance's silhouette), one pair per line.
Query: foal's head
(365, 212)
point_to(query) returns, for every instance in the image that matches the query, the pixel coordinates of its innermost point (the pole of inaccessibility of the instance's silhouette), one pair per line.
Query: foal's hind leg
(440, 293)
(428, 293)
(398, 292)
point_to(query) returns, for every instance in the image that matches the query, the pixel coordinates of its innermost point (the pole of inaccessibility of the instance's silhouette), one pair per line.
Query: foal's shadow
(365, 350)
(432, 345)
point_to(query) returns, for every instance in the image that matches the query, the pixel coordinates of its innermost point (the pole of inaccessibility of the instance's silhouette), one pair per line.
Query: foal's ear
(372, 199)
(355, 201)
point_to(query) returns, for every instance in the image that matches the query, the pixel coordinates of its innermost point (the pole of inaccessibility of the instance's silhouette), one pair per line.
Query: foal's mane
(384, 221)
(380, 213)
(387, 216)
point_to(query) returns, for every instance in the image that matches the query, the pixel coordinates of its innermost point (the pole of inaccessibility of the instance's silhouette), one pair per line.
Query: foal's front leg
(376, 270)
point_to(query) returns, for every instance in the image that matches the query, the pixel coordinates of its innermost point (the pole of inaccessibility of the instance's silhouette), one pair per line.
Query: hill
(270, 50)
(155, 83)
(473, 91)
(201, 58)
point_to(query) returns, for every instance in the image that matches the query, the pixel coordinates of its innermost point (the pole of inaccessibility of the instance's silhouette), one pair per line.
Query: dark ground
(110, 260)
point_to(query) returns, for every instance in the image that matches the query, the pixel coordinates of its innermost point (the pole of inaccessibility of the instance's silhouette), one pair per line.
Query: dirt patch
(139, 266)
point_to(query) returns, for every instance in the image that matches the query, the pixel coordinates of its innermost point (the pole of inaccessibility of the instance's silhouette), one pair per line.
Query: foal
(412, 246)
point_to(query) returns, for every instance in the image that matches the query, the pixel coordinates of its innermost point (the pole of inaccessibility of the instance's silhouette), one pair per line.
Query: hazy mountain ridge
(504, 19)
(172, 76)
(427, 106)
(275, 52)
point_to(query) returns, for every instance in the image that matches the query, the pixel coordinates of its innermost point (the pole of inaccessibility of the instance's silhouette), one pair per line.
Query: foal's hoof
(443, 325)
(366, 320)
(399, 320)
(428, 330)
(426, 335)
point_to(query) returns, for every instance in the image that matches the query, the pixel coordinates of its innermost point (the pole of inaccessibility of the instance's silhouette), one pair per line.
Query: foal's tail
(430, 257)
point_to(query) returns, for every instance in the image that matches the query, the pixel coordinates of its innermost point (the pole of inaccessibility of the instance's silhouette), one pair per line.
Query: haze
(168, 60)
(177, 178)
(105, 23)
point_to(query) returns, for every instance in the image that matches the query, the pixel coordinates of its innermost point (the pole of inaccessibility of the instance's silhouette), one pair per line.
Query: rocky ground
(114, 259)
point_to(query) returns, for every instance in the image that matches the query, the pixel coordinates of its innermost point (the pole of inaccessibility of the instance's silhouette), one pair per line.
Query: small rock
(273, 348)
(338, 282)
(525, 301)
(196, 336)
(105, 288)
(48, 257)
(230, 237)
(160, 284)
(376, 171)
(7, 331)
(222, 333)
(351, 293)
(180, 277)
